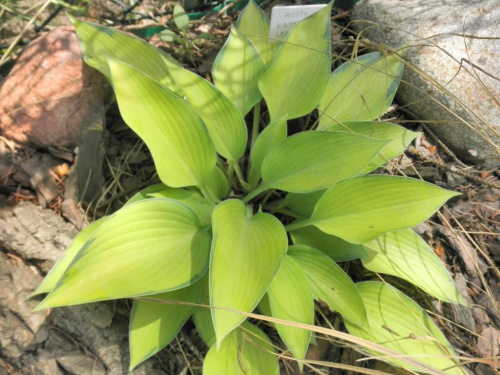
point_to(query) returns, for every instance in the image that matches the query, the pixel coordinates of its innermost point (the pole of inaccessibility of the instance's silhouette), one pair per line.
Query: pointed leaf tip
(361, 209)
(54, 275)
(183, 155)
(330, 283)
(254, 24)
(247, 251)
(361, 89)
(295, 79)
(290, 298)
(171, 242)
(153, 325)
(99, 44)
(315, 160)
(236, 71)
(400, 324)
(222, 118)
(398, 139)
(405, 254)
(246, 351)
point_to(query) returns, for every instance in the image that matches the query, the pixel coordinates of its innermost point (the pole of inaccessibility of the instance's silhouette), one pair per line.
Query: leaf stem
(307, 120)
(298, 224)
(255, 134)
(254, 193)
(255, 125)
(279, 206)
(230, 175)
(244, 184)
(266, 197)
(286, 212)
(222, 166)
(206, 193)
(187, 47)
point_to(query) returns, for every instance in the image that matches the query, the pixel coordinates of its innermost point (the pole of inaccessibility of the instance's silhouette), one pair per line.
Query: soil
(39, 221)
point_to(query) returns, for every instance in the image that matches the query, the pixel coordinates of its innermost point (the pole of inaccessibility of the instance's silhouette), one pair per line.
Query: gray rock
(34, 233)
(453, 78)
(74, 363)
(43, 368)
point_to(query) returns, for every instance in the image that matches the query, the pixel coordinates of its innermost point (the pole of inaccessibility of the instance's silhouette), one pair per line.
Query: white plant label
(283, 18)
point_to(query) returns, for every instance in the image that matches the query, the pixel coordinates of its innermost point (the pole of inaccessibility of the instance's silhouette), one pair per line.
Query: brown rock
(49, 92)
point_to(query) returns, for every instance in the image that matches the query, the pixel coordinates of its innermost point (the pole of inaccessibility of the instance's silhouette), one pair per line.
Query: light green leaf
(50, 281)
(398, 323)
(149, 247)
(315, 160)
(246, 351)
(362, 208)
(223, 120)
(201, 206)
(154, 324)
(330, 283)
(217, 184)
(361, 89)
(169, 36)
(183, 155)
(335, 247)
(181, 19)
(247, 251)
(265, 308)
(144, 193)
(254, 24)
(236, 71)
(404, 254)
(290, 299)
(294, 81)
(99, 43)
(398, 136)
(202, 316)
(273, 134)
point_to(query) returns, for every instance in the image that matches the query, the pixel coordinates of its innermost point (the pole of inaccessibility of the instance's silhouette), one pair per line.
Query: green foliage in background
(257, 215)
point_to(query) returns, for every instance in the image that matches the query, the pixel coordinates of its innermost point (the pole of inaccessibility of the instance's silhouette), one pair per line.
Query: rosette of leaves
(259, 222)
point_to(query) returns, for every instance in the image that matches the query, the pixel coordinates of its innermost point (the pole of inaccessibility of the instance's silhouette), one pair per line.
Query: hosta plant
(256, 216)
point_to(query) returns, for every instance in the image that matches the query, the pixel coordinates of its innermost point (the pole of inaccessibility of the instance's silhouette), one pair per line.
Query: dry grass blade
(476, 265)
(310, 363)
(326, 331)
